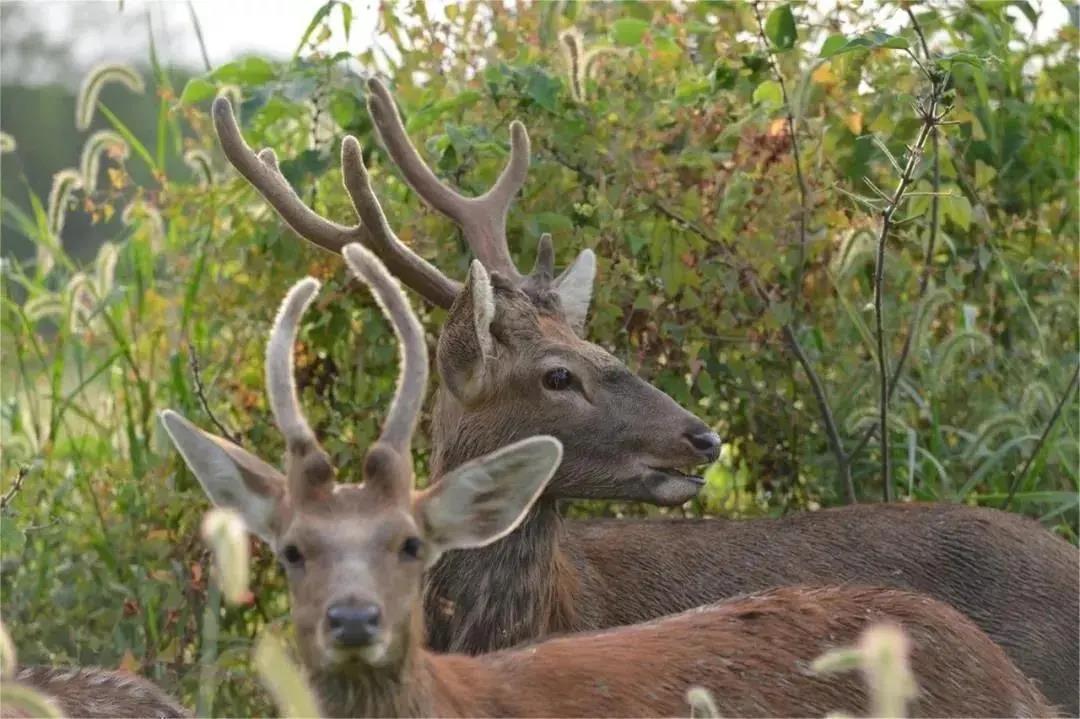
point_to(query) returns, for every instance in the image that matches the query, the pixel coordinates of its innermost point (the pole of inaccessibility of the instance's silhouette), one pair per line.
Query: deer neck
(514, 590)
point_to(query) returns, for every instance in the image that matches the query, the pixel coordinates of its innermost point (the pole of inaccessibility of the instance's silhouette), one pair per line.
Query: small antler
(482, 219)
(373, 231)
(280, 382)
(409, 396)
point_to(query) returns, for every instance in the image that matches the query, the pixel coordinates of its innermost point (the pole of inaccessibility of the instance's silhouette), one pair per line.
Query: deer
(92, 692)
(355, 555)
(512, 363)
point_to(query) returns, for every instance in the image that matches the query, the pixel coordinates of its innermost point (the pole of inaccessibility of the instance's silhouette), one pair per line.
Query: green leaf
(832, 44)
(869, 41)
(962, 58)
(958, 209)
(249, 71)
(317, 18)
(780, 28)
(628, 31)
(769, 94)
(197, 90)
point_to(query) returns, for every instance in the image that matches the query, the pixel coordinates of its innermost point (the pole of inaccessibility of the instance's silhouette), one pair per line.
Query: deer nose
(352, 624)
(707, 443)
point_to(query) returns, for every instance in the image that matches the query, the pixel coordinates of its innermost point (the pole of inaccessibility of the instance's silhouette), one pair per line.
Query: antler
(409, 396)
(482, 219)
(373, 231)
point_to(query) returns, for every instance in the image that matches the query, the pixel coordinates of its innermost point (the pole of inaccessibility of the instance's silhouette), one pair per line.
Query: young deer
(92, 692)
(355, 556)
(512, 365)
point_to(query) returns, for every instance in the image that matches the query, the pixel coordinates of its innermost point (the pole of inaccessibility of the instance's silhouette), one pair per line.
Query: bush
(732, 276)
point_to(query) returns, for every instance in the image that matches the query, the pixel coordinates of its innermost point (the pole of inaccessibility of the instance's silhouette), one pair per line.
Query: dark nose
(352, 624)
(705, 442)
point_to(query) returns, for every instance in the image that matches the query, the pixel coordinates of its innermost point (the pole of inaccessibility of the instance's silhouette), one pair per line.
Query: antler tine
(482, 219)
(412, 382)
(263, 173)
(280, 381)
(413, 269)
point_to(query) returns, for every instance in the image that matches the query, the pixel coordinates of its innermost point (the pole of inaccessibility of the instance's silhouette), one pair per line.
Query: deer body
(753, 653)
(97, 693)
(513, 365)
(554, 575)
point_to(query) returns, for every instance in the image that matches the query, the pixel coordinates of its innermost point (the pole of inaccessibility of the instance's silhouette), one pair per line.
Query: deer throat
(517, 589)
(402, 690)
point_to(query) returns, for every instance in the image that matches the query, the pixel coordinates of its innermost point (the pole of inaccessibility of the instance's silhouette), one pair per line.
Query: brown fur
(92, 692)
(753, 653)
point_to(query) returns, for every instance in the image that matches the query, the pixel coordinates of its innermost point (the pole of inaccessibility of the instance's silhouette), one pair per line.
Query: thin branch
(790, 116)
(843, 461)
(200, 392)
(15, 487)
(1019, 478)
(929, 114)
(928, 259)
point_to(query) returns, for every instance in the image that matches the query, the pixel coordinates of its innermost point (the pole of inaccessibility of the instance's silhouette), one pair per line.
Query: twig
(843, 459)
(843, 463)
(790, 116)
(15, 487)
(928, 111)
(928, 259)
(1019, 478)
(199, 35)
(196, 375)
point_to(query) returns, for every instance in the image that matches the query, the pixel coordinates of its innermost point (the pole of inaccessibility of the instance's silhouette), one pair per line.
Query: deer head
(355, 553)
(511, 356)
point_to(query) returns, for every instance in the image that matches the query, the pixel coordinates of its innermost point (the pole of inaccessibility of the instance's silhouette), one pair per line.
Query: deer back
(92, 692)
(753, 653)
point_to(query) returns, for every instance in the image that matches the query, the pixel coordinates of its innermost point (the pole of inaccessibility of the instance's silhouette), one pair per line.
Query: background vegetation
(731, 166)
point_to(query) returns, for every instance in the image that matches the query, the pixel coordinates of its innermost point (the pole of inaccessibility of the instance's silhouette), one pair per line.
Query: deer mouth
(670, 487)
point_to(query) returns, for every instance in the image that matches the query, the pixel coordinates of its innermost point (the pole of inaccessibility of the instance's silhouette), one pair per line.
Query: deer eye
(558, 379)
(411, 547)
(292, 556)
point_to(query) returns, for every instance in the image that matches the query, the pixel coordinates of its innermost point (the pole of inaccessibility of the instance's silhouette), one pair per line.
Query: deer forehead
(353, 515)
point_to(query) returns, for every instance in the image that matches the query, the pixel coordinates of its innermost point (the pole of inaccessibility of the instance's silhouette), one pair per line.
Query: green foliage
(668, 152)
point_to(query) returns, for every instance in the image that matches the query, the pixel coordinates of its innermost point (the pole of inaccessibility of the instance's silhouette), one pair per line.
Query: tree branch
(928, 260)
(790, 116)
(1019, 478)
(15, 487)
(928, 111)
(200, 392)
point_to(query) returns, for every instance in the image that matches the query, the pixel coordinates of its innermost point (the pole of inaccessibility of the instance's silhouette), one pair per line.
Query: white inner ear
(487, 498)
(219, 475)
(483, 307)
(575, 287)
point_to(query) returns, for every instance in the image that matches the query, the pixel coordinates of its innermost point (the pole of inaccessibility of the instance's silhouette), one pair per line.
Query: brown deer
(355, 556)
(512, 365)
(94, 693)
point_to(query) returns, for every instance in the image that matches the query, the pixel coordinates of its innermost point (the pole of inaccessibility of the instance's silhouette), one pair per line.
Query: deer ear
(574, 286)
(231, 476)
(486, 499)
(466, 343)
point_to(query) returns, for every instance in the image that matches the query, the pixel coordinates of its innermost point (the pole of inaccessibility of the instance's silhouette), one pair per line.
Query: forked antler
(412, 381)
(482, 219)
(373, 231)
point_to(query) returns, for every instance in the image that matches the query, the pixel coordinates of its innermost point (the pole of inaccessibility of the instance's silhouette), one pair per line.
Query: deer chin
(669, 487)
(374, 655)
